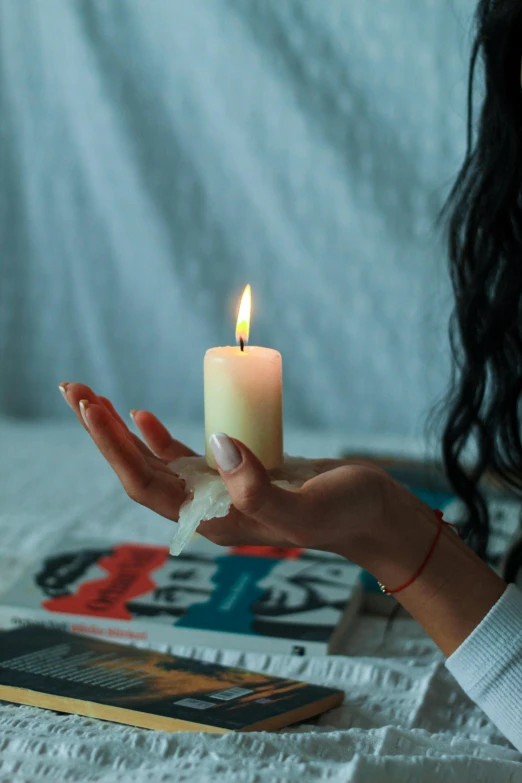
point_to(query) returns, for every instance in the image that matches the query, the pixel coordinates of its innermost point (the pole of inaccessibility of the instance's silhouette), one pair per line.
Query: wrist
(455, 589)
(408, 534)
(397, 537)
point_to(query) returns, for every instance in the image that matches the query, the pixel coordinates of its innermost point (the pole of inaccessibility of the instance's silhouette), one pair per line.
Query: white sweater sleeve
(488, 665)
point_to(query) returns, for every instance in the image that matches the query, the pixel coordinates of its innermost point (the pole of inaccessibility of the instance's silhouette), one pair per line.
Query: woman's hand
(142, 471)
(341, 510)
(354, 510)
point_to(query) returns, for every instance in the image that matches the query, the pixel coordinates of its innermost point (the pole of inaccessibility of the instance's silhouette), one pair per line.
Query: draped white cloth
(155, 156)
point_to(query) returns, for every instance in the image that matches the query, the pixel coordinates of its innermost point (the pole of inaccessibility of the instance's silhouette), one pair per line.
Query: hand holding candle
(354, 510)
(243, 394)
(265, 500)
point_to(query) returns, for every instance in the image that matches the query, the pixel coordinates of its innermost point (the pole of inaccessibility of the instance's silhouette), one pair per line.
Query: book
(56, 670)
(249, 598)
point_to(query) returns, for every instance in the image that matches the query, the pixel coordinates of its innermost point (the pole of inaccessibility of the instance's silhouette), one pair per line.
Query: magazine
(250, 598)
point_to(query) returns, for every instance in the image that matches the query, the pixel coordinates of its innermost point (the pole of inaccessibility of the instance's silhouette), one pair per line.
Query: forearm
(460, 602)
(453, 594)
(455, 590)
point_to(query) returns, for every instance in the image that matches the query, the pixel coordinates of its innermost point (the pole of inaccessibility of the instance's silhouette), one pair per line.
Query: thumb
(250, 487)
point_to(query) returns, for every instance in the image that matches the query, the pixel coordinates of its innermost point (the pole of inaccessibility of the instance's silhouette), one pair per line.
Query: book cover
(262, 598)
(56, 670)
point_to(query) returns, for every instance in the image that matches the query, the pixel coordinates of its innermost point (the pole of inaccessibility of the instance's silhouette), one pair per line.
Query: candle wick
(241, 344)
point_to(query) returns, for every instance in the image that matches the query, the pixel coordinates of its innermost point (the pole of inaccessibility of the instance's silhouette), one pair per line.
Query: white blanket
(403, 719)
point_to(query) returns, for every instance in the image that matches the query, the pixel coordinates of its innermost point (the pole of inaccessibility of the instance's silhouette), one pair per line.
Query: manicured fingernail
(63, 387)
(225, 452)
(84, 404)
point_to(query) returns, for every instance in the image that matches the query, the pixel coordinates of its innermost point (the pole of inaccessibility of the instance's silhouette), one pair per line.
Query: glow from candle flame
(243, 317)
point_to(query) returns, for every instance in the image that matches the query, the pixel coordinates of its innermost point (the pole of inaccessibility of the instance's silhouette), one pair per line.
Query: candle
(243, 393)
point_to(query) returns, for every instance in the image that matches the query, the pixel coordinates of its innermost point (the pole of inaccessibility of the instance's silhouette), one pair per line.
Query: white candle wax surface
(243, 399)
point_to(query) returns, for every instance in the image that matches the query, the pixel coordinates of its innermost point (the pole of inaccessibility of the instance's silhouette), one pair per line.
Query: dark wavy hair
(485, 251)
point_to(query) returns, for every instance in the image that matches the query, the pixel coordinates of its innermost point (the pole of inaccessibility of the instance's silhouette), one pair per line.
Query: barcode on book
(231, 693)
(195, 704)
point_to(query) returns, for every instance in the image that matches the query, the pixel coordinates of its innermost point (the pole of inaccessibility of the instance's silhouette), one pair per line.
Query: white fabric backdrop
(156, 156)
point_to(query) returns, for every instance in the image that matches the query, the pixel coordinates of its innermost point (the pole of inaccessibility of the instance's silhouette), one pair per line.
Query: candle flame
(243, 317)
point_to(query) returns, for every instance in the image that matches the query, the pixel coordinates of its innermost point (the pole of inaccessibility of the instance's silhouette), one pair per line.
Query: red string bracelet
(419, 571)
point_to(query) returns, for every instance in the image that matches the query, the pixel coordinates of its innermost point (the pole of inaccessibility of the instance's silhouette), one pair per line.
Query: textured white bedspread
(403, 719)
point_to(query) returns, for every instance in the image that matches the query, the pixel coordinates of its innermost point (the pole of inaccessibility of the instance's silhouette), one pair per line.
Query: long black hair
(485, 252)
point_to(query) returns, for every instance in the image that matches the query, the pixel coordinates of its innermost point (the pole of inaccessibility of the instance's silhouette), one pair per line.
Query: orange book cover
(61, 671)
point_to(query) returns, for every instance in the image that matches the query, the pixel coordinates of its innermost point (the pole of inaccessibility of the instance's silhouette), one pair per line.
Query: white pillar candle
(243, 394)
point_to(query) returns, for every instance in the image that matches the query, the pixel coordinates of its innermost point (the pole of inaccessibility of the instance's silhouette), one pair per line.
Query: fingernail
(132, 413)
(84, 404)
(225, 451)
(63, 387)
